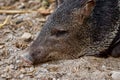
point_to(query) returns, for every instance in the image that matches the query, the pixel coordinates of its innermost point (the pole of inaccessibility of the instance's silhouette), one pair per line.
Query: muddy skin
(74, 29)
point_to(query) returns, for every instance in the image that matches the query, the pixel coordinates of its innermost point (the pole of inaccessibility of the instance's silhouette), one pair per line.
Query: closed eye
(58, 33)
(61, 33)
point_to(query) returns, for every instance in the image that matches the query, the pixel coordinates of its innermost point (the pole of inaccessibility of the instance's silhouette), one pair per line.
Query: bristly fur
(105, 26)
(77, 28)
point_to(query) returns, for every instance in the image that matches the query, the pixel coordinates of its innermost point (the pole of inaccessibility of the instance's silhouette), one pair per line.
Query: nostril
(27, 58)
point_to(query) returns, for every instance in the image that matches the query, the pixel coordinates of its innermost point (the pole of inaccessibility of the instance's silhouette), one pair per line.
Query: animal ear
(88, 7)
(84, 11)
(59, 2)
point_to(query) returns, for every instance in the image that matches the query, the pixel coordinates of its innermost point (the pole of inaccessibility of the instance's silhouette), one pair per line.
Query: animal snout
(26, 57)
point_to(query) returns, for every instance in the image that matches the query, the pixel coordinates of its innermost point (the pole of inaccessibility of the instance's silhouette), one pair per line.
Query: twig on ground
(16, 11)
(5, 22)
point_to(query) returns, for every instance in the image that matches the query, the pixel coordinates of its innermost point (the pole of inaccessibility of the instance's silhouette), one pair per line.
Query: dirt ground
(18, 29)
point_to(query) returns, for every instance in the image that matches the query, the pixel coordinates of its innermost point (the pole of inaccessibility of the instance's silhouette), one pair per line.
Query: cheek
(61, 47)
(51, 42)
(56, 43)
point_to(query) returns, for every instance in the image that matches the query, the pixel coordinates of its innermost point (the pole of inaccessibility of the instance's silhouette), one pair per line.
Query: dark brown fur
(75, 29)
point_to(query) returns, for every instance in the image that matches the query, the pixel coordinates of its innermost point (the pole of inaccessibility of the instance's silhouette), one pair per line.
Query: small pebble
(1, 46)
(23, 71)
(43, 70)
(22, 6)
(6, 69)
(12, 66)
(42, 19)
(9, 77)
(103, 67)
(26, 36)
(18, 61)
(31, 69)
(21, 76)
(54, 79)
(16, 67)
(52, 69)
(44, 65)
(4, 75)
(29, 74)
(115, 75)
